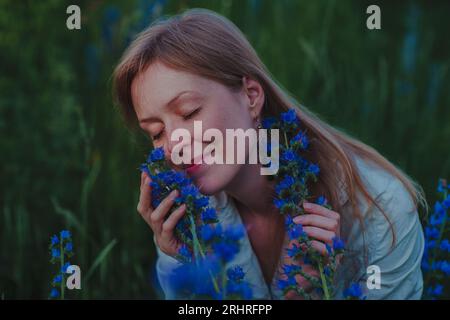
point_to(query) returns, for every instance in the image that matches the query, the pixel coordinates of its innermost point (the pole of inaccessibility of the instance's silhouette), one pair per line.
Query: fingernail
(174, 194)
(306, 205)
(298, 219)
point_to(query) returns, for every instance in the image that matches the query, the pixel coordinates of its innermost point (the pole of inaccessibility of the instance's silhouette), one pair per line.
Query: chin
(208, 186)
(214, 181)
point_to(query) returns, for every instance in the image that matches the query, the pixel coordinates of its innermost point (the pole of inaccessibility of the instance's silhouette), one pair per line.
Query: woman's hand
(321, 225)
(163, 229)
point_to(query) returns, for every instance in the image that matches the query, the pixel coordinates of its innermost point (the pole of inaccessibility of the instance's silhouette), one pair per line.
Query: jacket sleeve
(398, 261)
(165, 265)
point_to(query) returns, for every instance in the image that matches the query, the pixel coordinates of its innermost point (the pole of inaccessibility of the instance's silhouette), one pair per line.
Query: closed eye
(190, 115)
(157, 136)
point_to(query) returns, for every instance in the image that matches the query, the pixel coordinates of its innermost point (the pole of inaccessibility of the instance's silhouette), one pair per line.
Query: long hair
(202, 42)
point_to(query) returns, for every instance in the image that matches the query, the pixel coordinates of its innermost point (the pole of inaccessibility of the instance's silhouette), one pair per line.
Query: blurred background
(68, 161)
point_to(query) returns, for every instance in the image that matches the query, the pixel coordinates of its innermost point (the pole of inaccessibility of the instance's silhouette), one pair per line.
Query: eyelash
(186, 117)
(190, 115)
(157, 136)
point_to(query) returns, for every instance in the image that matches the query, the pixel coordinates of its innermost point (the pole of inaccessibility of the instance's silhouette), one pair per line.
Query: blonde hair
(204, 43)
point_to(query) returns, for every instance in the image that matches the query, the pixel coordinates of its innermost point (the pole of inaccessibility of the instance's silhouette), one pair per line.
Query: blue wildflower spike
(61, 249)
(354, 292)
(206, 246)
(291, 190)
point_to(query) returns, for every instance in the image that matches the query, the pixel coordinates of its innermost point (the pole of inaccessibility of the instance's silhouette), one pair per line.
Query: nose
(169, 147)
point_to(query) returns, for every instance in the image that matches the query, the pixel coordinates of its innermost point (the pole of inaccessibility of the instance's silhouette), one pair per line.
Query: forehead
(158, 83)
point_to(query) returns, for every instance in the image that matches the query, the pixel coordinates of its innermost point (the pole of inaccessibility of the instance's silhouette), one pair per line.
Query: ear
(254, 95)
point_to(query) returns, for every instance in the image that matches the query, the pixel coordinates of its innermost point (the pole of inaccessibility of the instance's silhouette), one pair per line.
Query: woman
(199, 66)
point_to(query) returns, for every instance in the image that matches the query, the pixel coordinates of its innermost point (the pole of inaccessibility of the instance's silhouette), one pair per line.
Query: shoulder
(391, 222)
(391, 233)
(389, 193)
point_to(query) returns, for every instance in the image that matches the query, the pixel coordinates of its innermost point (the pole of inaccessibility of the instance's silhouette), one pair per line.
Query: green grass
(69, 162)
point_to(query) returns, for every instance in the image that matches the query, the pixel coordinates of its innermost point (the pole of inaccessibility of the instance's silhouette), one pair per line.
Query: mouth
(193, 167)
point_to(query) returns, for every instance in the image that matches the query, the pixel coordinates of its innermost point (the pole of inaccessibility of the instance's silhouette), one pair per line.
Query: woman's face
(166, 99)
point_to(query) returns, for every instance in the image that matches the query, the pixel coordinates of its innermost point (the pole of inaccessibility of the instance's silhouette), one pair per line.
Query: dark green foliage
(68, 162)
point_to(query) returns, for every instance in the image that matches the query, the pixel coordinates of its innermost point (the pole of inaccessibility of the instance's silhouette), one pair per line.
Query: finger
(144, 207)
(171, 222)
(320, 234)
(320, 247)
(320, 210)
(157, 216)
(318, 221)
(142, 177)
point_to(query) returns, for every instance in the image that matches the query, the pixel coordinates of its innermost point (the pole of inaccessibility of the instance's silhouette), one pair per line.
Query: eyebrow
(168, 104)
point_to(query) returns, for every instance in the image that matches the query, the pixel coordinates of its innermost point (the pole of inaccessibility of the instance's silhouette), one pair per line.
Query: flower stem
(324, 282)
(286, 139)
(198, 250)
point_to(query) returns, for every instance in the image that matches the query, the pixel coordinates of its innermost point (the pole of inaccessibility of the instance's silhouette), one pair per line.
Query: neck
(252, 190)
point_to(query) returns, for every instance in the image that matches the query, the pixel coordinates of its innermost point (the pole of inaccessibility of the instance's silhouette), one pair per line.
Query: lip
(193, 168)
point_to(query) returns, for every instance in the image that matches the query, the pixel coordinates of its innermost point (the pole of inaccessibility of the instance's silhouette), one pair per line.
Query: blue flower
(290, 283)
(234, 233)
(441, 187)
(437, 218)
(184, 252)
(64, 267)
(288, 221)
(235, 274)
(289, 116)
(57, 279)
(425, 265)
(322, 201)
(69, 246)
(439, 208)
(192, 278)
(445, 245)
(436, 291)
(338, 244)
(226, 251)
(156, 155)
(288, 181)
(431, 233)
(295, 232)
(446, 202)
(201, 202)
(354, 292)
(445, 267)
(302, 138)
(291, 269)
(329, 250)
(56, 253)
(54, 293)
(294, 251)
(279, 203)
(189, 190)
(239, 289)
(207, 232)
(54, 240)
(144, 168)
(268, 122)
(430, 244)
(65, 234)
(288, 155)
(209, 214)
(314, 168)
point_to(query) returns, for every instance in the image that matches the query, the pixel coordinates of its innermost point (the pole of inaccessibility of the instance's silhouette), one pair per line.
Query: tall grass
(68, 161)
